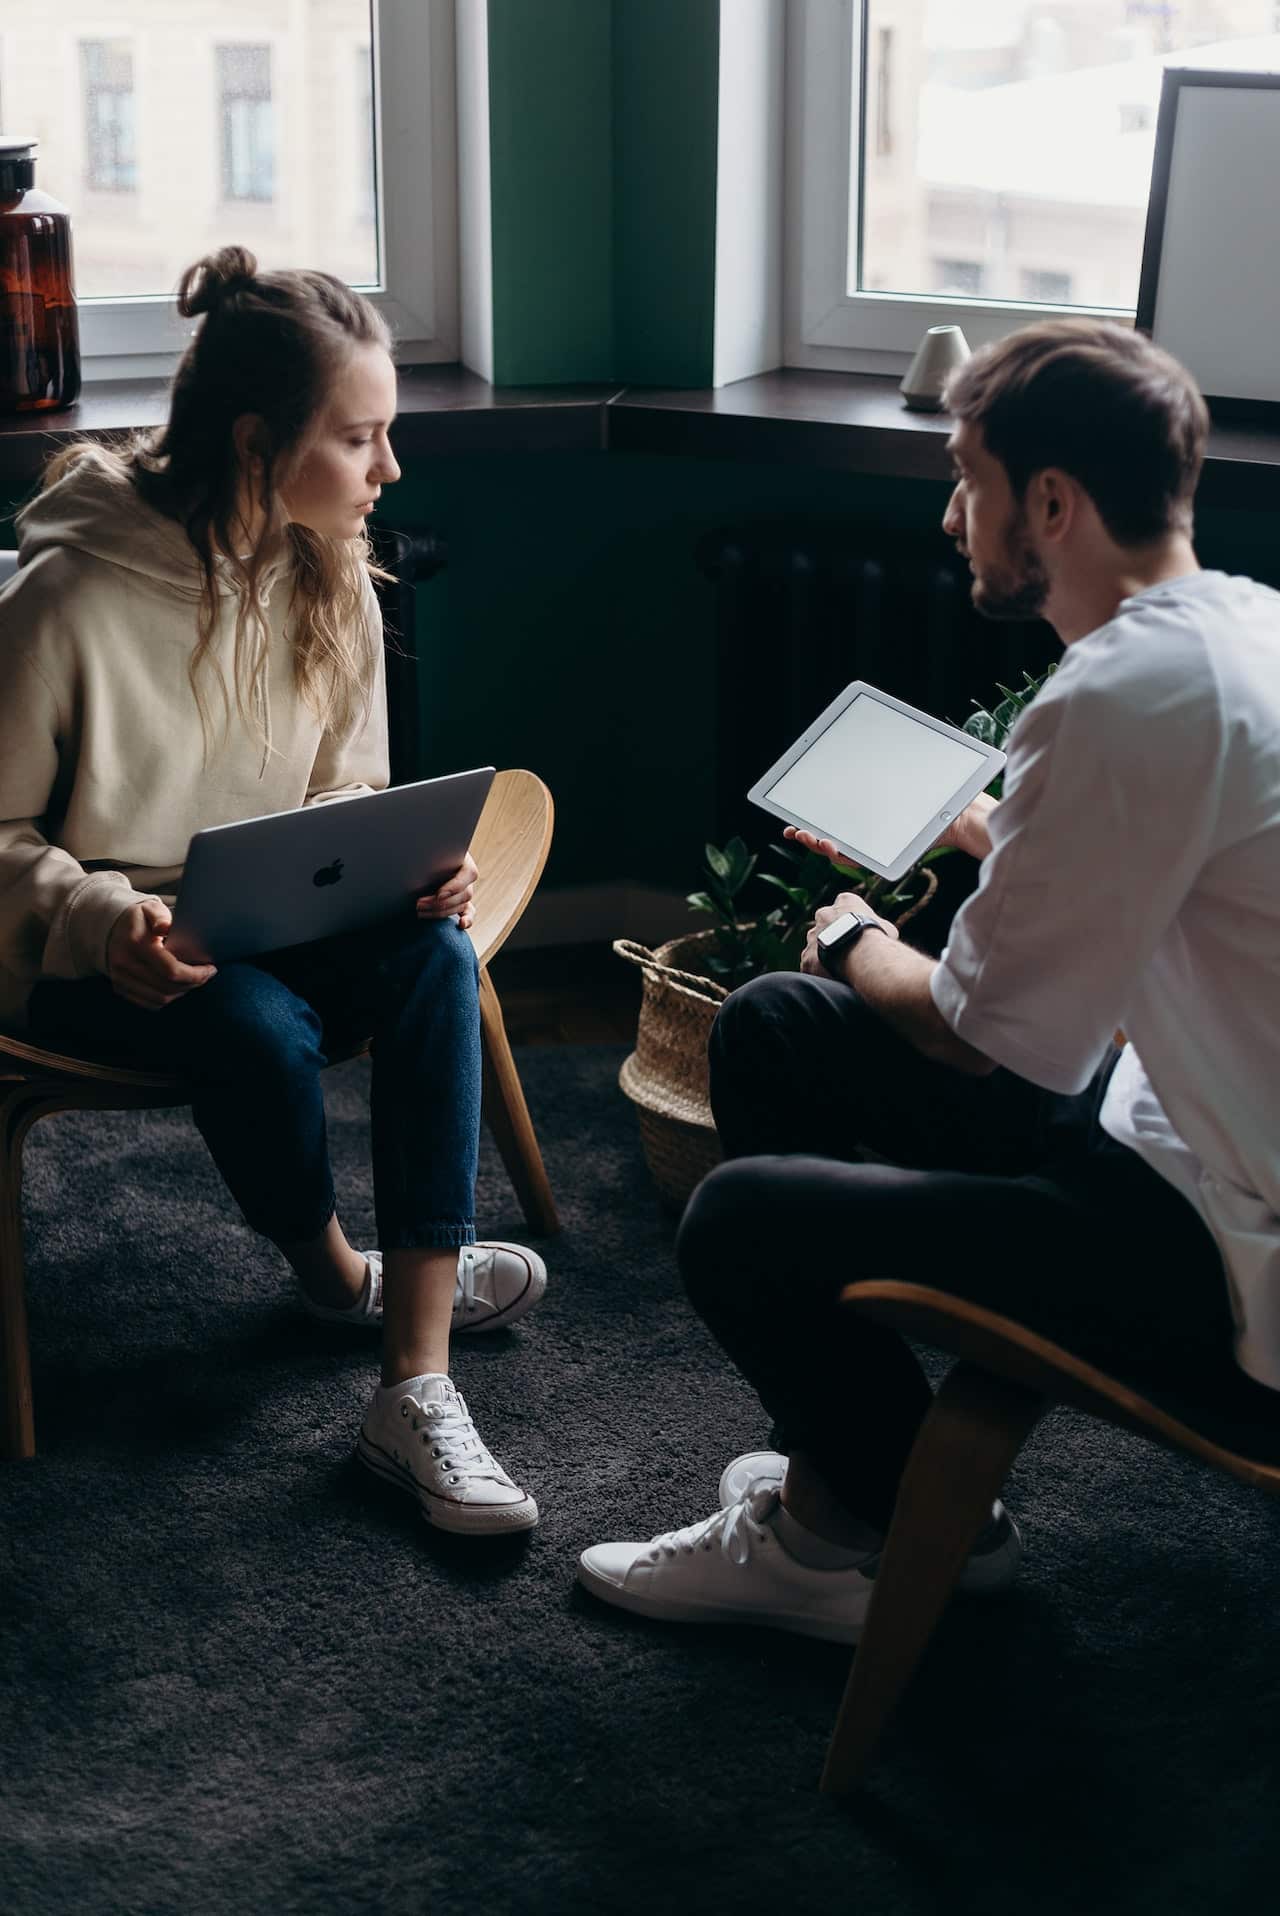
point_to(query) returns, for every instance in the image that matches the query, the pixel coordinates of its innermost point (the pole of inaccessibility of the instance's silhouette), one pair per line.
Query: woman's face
(349, 458)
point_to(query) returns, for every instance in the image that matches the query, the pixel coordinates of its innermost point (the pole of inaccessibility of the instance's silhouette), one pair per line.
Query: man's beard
(1019, 588)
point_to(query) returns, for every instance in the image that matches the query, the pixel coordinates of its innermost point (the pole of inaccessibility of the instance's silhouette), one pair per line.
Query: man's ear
(1055, 501)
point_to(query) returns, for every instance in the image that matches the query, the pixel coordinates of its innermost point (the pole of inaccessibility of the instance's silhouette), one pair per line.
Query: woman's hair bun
(212, 279)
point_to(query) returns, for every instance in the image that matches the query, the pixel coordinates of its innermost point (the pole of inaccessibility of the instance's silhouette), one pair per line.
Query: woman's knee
(437, 952)
(251, 1026)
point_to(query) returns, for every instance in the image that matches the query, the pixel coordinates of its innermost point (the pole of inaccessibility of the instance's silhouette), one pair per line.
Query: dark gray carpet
(239, 1676)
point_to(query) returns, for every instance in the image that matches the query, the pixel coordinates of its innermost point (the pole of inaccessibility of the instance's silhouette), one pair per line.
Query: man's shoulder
(1172, 644)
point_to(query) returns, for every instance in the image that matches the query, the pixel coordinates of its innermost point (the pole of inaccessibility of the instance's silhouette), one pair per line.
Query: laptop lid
(291, 877)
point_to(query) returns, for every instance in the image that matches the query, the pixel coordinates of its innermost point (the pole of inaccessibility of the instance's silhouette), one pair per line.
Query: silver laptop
(292, 877)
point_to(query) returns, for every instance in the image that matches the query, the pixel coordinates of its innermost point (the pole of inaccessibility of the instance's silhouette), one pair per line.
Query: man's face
(990, 529)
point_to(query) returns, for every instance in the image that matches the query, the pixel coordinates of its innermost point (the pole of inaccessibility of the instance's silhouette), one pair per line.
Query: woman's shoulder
(49, 587)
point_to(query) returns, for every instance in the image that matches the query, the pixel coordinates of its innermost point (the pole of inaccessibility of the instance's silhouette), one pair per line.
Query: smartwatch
(835, 939)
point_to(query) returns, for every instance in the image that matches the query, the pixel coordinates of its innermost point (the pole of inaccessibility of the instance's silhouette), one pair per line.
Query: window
(106, 70)
(996, 152)
(1046, 288)
(245, 123)
(884, 92)
(190, 124)
(962, 276)
(362, 134)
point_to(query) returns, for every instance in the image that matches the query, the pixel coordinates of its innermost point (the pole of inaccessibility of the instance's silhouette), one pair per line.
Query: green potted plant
(687, 979)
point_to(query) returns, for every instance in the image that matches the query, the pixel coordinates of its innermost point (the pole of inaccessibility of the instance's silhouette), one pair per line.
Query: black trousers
(849, 1155)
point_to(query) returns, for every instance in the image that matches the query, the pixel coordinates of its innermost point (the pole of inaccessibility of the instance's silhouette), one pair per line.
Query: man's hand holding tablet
(878, 782)
(967, 832)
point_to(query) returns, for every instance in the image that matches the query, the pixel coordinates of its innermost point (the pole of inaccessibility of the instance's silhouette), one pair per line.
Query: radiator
(800, 611)
(412, 558)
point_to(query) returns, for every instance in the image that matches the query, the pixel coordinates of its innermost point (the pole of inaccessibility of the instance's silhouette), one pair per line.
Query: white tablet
(880, 778)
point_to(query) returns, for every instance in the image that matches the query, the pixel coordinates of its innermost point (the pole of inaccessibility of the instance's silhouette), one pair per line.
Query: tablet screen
(875, 778)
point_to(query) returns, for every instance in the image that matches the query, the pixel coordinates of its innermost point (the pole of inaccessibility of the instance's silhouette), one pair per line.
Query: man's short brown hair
(1100, 402)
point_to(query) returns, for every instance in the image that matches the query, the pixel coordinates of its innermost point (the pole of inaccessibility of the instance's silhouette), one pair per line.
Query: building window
(106, 70)
(884, 92)
(1046, 288)
(1014, 137)
(366, 170)
(247, 126)
(963, 278)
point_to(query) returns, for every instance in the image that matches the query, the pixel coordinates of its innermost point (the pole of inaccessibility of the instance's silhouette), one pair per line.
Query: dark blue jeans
(254, 1039)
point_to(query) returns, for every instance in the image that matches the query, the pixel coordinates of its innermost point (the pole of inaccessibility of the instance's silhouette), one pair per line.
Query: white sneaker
(992, 1563)
(497, 1283)
(730, 1568)
(419, 1436)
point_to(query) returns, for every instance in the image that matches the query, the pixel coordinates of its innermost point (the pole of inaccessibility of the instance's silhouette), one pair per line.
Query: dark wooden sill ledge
(838, 421)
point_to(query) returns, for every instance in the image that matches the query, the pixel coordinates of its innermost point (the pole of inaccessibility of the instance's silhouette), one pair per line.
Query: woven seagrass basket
(666, 1075)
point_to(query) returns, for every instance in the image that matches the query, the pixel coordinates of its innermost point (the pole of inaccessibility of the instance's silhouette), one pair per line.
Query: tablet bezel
(993, 762)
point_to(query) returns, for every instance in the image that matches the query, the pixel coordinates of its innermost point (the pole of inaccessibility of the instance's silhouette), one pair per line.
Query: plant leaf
(717, 861)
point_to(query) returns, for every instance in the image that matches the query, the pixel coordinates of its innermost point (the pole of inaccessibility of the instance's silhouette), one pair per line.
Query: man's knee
(723, 1230)
(759, 1005)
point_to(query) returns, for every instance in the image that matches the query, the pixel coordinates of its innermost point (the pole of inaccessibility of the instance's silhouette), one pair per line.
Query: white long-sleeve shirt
(1134, 882)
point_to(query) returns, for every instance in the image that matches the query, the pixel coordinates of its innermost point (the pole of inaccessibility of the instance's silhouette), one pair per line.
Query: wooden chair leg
(17, 1419)
(966, 1447)
(508, 1118)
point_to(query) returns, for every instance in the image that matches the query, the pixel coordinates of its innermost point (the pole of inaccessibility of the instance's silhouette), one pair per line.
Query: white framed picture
(1209, 291)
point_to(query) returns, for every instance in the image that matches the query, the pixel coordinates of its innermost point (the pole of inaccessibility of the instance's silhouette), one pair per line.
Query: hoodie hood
(95, 508)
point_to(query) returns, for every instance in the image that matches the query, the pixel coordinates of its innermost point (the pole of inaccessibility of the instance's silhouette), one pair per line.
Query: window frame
(415, 161)
(826, 325)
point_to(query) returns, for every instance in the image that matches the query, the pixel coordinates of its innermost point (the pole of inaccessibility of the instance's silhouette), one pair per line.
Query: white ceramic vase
(942, 349)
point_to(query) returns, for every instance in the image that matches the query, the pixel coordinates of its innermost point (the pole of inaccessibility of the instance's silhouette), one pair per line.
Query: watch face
(840, 928)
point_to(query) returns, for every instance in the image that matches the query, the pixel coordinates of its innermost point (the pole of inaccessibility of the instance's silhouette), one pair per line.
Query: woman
(193, 639)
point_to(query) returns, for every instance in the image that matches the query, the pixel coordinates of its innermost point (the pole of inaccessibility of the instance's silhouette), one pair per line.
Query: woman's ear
(249, 436)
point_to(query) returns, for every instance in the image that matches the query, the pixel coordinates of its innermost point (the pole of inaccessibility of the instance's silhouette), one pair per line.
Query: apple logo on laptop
(328, 874)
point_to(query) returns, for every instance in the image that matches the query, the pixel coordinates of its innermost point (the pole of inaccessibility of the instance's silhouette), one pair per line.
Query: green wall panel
(603, 121)
(551, 162)
(572, 632)
(666, 58)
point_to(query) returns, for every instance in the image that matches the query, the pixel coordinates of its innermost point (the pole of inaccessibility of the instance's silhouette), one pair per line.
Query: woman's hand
(453, 896)
(141, 971)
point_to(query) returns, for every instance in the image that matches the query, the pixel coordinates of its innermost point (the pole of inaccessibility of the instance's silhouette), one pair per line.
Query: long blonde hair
(271, 344)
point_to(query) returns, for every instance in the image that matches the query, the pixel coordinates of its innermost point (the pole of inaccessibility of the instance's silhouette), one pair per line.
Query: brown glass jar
(39, 334)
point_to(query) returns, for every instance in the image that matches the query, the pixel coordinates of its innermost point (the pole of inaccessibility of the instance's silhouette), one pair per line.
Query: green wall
(666, 87)
(551, 165)
(602, 147)
(572, 631)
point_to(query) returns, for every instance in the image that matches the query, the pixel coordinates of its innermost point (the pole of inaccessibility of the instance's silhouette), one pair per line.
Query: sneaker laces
(738, 1529)
(454, 1439)
(473, 1260)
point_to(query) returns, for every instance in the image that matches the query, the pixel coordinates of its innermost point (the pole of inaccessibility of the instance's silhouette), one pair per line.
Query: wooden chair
(510, 847)
(1007, 1377)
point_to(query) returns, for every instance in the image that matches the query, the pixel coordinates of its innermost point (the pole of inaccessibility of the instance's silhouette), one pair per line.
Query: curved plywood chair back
(1008, 1349)
(510, 847)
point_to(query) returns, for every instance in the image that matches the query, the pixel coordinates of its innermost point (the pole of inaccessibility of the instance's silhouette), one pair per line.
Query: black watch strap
(829, 955)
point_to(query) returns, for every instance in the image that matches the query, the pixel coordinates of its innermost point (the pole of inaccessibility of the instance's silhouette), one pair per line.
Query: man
(968, 1122)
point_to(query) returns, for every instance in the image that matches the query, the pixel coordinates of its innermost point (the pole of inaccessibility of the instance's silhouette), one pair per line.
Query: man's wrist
(855, 959)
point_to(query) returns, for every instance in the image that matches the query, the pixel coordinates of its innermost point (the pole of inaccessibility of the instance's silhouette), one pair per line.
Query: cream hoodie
(102, 780)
